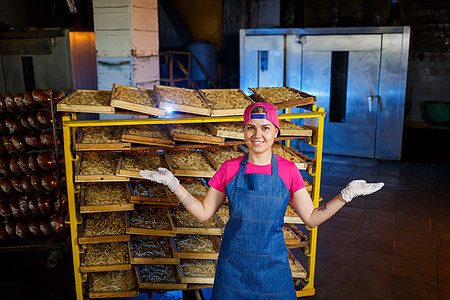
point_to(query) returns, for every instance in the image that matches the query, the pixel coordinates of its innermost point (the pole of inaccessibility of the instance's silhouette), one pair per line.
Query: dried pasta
(184, 218)
(152, 131)
(151, 218)
(190, 160)
(85, 97)
(154, 247)
(194, 243)
(106, 194)
(226, 99)
(99, 163)
(159, 274)
(181, 96)
(106, 254)
(105, 224)
(277, 94)
(199, 268)
(135, 95)
(112, 281)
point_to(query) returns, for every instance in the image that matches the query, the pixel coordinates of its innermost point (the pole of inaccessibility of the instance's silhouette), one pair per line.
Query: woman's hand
(359, 188)
(163, 176)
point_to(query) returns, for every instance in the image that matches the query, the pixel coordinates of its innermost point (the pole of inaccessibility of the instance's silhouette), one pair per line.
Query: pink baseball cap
(271, 115)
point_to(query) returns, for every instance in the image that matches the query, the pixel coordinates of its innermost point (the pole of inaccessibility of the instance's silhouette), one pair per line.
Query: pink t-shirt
(287, 170)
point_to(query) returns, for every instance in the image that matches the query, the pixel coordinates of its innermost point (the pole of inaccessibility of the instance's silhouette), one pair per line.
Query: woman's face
(259, 135)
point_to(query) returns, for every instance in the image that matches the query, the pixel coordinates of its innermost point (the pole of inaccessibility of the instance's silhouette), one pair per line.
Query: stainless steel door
(350, 124)
(264, 61)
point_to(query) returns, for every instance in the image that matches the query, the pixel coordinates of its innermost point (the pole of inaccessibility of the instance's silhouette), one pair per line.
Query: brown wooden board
(150, 231)
(178, 252)
(129, 135)
(196, 280)
(159, 285)
(195, 227)
(148, 192)
(300, 99)
(299, 271)
(105, 207)
(153, 247)
(77, 102)
(112, 294)
(290, 237)
(177, 99)
(232, 102)
(135, 99)
(291, 129)
(88, 268)
(95, 177)
(79, 146)
(219, 130)
(187, 172)
(194, 138)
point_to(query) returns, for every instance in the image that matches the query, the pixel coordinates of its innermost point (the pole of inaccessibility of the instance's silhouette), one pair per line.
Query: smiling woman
(259, 186)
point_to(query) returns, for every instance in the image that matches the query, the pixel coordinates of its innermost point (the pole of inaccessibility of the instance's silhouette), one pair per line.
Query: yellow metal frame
(69, 141)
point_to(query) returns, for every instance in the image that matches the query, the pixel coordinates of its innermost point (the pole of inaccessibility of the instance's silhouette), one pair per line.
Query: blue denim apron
(253, 261)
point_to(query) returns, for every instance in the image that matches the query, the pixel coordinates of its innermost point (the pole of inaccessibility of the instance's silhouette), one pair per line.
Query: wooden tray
(159, 285)
(301, 273)
(127, 136)
(260, 94)
(138, 155)
(218, 130)
(102, 107)
(229, 96)
(179, 229)
(151, 231)
(294, 129)
(137, 107)
(187, 172)
(169, 106)
(122, 237)
(164, 200)
(300, 163)
(196, 255)
(193, 138)
(98, 146)
(138, 260)
(113, 294)
(234, 151)
(293, 240)
(196, 280)
(192, 185)
(102, 208)
(101, 268)
(292, 218)
(95, 177)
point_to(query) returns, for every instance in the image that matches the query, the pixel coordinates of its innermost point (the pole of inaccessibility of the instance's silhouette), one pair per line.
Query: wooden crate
(169, 105)
(164, 200)
(138, 156)
(197, 228)
(102, 208)
(112, 294)
(290, 237)
(137, 107)
(291, 216)
(234, 151)
(217, 129)
(296, 268)
(151, 231)
(104, 267)
(149, 241)
(197, 187)
(196, 280)
(234, 107)
(79, 146)
(195, 138)
(187, 172)
(294, 129)
(261, 95)
(95, 177)
(152, 141)
(99, 107)
(289, 154)
(119, 237)
(196, 254)
(160, 285)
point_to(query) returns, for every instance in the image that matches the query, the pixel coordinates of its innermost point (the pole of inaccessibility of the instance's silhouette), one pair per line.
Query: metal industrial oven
(357, 74)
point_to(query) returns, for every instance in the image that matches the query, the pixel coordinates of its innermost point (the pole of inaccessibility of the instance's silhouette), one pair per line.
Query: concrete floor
(394, 244)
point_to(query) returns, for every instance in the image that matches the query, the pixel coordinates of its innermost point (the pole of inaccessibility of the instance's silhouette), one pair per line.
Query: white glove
(163, 176)
(359, 188)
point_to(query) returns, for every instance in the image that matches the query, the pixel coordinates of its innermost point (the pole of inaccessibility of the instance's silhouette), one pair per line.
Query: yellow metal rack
(70, 124)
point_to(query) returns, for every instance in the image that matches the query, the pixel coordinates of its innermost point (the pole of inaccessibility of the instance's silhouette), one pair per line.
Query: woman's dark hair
(258, 110)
